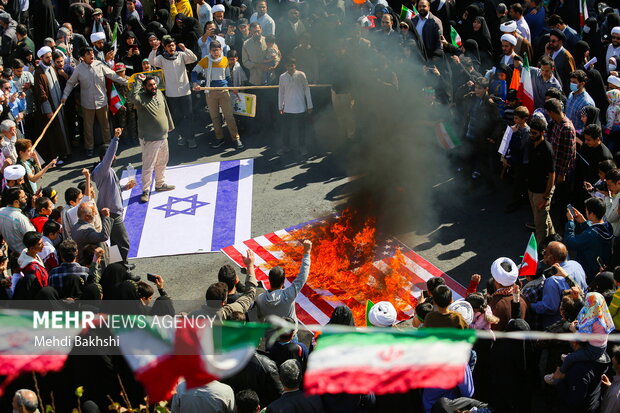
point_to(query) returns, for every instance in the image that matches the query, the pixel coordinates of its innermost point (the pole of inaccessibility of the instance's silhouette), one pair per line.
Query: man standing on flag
(90, 75)
(47, 94)
(154, 123)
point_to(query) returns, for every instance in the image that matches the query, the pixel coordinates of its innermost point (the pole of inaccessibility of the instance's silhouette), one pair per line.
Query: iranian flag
(456, 37)
(446, 136)
(388, 361)
(406, 13)
(21, 353)
(525, 91)
(160, 357)
(530, 258)
(583, 12)
(115, 100)
(114, 38)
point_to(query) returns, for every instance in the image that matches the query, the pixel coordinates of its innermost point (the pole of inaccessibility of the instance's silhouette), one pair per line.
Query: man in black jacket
(428, 29)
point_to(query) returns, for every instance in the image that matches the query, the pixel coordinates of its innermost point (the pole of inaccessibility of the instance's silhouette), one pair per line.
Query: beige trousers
(542, 219)
(217, 99)
(154, 157)
(89, 123)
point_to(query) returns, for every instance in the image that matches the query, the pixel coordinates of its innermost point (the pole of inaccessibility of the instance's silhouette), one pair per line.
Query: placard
(244, 104)
(157, 74)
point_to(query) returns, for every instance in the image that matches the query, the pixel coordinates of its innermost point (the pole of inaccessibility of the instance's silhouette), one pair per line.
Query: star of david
(170, 211)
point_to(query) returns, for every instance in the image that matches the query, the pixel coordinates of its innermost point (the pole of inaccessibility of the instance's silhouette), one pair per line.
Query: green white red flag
(115, 100)
(406, 13)
(388, 361)
(525, 92)
(530, 258)
(583, 12)
(456, 37)
(446, 136)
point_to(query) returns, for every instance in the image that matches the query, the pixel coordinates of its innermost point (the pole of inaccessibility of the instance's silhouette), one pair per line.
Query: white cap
(615, 30)
(463, 308)
(95, 37)
(503, 277)
(509, 38)
(508, 27)
(614, 80)
(382, 314)
(14, 172)
(218, 7)
(44, 50)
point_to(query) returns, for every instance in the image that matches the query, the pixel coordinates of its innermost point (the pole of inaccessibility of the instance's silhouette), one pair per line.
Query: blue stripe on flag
(225, 218)
(135, 214)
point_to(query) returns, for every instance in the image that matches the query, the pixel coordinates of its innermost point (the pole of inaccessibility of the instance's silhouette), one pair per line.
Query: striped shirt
(58, 274)
(574, 104)
(13, 225)
(563, 141)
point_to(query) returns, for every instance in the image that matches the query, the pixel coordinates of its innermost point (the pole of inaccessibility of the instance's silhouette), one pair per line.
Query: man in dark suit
(293, 399)
(428, 28)
(564, 62)
(444, 11)
(84, 232)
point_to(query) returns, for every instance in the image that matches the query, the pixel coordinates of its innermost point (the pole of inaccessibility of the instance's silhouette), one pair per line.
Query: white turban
(44, 50)
(463, 308)
(508, 27)
(95, 37)
(614, 80)
(382, 314)
(218, 7)
(615, 30)
(13, 172)
(503, 277)
(509, 38)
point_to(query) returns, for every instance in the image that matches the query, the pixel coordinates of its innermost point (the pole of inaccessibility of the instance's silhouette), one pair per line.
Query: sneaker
(191, 144)
(181, 141)
(145, 197)
(530, 226)
(217, 143)
(549, 379)
(239, 144)
(164, 187)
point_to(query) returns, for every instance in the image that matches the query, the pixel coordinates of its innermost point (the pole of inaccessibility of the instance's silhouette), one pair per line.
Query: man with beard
(13, 223)
(428, 29)
(289, 30)
(564, 61)
(110, 194)
(47, 97)
(154, 123)
(614, 47)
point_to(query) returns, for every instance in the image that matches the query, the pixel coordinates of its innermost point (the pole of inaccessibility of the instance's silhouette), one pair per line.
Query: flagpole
(49, 122)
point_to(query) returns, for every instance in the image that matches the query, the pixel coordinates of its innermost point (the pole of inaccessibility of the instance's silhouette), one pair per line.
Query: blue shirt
(576, 272)
(574, 104)
(549, 306)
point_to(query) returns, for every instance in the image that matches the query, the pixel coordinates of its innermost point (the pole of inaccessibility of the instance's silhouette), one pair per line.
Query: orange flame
(343, 253)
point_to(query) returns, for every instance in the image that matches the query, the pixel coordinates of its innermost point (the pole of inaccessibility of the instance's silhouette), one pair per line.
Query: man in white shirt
(265, 20)
(203, 9)
(294, 101)
(614, 47)
(516, 13)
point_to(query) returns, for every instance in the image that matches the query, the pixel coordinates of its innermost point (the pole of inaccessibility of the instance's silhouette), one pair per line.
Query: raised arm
(302, 277)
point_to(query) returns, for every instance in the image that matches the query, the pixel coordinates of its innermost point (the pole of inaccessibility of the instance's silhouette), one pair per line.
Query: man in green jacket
(154, 123)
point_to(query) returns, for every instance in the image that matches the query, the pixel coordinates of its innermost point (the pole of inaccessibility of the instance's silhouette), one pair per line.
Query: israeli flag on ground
(210, 209)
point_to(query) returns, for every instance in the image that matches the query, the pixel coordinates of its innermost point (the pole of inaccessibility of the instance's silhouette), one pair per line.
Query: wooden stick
(250, 87)
(49, 122)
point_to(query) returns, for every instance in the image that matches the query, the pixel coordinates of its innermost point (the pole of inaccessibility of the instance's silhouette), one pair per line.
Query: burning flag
(389, 361)
(530, 258)
(349, 266)
(456, 37)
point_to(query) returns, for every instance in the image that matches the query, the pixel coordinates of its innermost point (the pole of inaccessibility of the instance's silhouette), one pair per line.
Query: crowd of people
(457, 58)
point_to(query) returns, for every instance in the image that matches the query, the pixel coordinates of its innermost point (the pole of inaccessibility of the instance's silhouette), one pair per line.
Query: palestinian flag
(115, 100)
(446, 136)
(388, 361)
(583, 12)
(159, 357)
(456, 38)
(406, 13)
(21, 353)
(525, 91)
(530, 258)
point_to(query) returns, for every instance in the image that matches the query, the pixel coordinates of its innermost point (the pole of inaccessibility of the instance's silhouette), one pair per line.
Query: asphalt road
(466, 231)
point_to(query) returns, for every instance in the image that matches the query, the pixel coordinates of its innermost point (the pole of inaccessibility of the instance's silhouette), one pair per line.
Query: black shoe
(217, 143)
(133, 277)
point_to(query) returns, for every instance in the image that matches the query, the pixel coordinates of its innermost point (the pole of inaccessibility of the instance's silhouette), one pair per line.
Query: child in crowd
(599, 188)
(51, 232)
(483, 316)
(594, 318)
(271, 59)
(43, 207)
(30, 161)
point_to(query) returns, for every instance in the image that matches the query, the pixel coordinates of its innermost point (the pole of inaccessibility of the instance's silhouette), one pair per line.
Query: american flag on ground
(311, 305)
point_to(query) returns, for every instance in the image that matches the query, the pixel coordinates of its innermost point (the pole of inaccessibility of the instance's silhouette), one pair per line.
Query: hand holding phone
(571, 209)
(151, 277)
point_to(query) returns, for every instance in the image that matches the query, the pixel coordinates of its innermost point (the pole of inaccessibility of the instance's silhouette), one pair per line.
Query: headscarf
(163, 17)
(579, 51)
(466, 29)
(604, 281)
(27, 287)
(91, 298)
(594, 311)
(471, 50)
(614, 96)
(72, 286)
(342, 315)
(49, 300)
(127, 294)
(112, 276)
(485, 43)
(156, 28)
(136, 27)
(592, 113)
(596, 88)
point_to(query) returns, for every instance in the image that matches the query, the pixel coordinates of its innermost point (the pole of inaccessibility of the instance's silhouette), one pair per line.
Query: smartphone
(551, 271)
(570, 208)
(151, 277)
